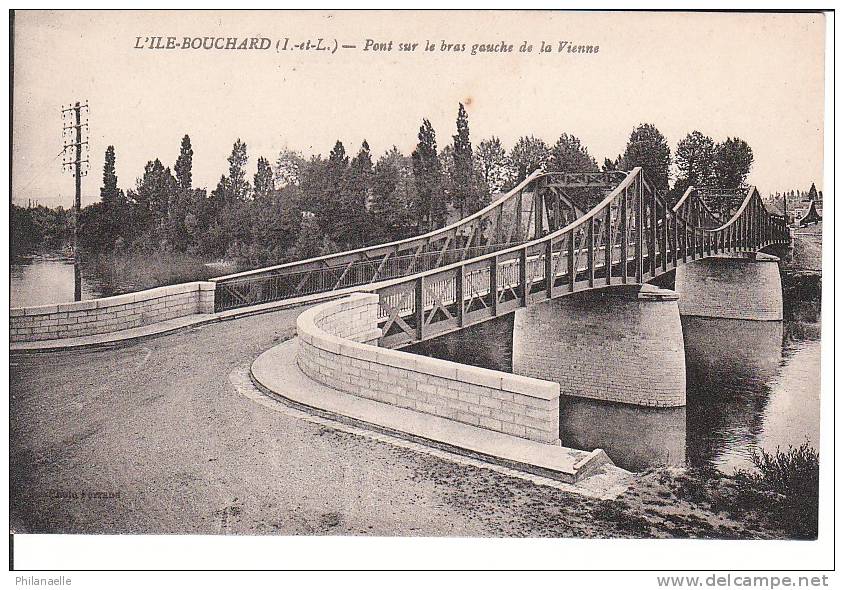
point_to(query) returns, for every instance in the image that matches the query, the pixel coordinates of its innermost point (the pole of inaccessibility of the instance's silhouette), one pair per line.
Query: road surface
(154, 438)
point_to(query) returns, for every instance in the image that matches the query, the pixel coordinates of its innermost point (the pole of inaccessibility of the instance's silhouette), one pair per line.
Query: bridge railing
(522, 214)
(630, 237)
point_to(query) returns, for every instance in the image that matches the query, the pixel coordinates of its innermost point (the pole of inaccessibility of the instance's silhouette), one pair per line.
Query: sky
(755, 76)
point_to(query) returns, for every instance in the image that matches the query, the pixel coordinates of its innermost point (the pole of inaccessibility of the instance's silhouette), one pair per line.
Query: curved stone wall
(110, 314)
(338, 347)
(735, 287)
(616, 344)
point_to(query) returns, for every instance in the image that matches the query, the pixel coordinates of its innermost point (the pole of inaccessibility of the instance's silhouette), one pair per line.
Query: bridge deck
(531, 245)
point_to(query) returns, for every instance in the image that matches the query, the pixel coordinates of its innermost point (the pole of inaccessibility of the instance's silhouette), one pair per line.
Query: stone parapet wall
(110, 314)
(337, 347)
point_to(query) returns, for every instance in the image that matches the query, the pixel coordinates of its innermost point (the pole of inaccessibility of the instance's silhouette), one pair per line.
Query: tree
(104, 224)
(479, 195)
(288, 168)
(695, 158)
(310, 239)
(732, 162)
(109, 193)
(392, 198)
(237, 185)
(813, 193)
(446, 159)
(314, 187)
(462, 176)
(648, 148)
(153, 197)
(219, 196)
(353, 226)
(329, 212)
(263, 181)
(184, 166)
(612, 165)
(529, 154)
(492, 164)
(570, 155)
(276, 219)
(430, 206)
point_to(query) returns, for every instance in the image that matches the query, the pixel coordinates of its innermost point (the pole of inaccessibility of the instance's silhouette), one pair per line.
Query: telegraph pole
(74, 158)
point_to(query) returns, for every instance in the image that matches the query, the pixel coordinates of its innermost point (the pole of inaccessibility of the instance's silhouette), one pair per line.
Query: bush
(785, 485)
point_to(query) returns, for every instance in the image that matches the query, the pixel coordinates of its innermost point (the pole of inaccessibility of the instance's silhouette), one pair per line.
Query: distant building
(797, 203)
(811, 216)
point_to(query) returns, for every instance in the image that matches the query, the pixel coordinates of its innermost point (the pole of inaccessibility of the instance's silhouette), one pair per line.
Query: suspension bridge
(540, 241)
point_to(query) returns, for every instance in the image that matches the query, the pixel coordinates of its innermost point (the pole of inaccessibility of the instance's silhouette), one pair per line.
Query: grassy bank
(125, 272)
(776, 500)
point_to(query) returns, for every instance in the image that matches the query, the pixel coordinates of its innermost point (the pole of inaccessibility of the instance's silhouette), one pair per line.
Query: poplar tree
(462, 171)
(237, 185)
(109, 193)
(353, 224)
(430, 205)
(263, 182)
(184, 166)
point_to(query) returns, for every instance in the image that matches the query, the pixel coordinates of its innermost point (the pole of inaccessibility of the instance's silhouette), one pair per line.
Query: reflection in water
(634, 437)
(729, 367)
(42, 280)
(77, 281)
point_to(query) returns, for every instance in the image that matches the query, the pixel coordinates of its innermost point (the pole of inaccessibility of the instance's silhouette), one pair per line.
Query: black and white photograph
(420, 274)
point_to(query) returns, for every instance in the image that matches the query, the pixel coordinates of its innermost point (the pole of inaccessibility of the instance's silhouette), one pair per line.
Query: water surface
(749, 385)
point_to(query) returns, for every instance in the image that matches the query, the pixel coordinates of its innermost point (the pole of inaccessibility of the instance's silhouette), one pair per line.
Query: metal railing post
(674, 225)
(458, 293)
(608, 245)
(590, 251)
(640, 201)
(493, 284)
(652, 241)
(523, 276)
(419, 311)
(624, 236)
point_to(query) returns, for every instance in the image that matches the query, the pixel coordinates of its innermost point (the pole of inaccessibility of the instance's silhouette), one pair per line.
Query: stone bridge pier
(621, 344)
(736, 286)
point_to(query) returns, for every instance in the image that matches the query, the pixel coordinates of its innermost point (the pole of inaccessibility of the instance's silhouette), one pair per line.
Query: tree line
(297, 207)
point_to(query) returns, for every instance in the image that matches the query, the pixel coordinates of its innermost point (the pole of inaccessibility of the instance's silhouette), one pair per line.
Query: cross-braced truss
(553, 234)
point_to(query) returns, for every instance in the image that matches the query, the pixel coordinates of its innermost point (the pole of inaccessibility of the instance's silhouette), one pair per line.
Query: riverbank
(802, 281)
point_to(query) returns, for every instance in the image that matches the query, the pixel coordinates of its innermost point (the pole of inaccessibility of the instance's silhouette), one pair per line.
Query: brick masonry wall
(337, 348)
(615, 345)
(110, 314)
(737, 288)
